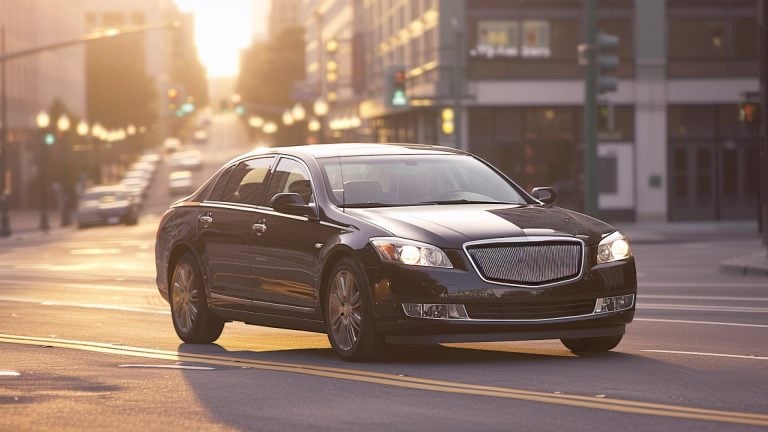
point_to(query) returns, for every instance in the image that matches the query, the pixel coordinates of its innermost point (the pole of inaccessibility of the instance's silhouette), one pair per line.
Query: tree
(119, 91)
(269, 69)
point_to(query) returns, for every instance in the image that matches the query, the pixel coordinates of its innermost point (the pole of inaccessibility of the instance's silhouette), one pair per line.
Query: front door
(285, 255)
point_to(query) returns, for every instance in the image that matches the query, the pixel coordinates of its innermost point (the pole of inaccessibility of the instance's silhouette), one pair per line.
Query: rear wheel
(193, 322)
(349, 315)
(592, 345)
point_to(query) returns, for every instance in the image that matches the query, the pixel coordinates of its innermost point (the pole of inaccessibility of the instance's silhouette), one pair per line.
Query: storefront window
(536, 41)
(496, 39)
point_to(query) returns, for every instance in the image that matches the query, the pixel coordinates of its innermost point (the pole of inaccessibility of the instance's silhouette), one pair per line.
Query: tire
(348, 311)
(192, 320)
(592, 345)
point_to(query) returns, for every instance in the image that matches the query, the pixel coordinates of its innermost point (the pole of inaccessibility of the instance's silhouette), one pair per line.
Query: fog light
(435, 311)
(613, 304)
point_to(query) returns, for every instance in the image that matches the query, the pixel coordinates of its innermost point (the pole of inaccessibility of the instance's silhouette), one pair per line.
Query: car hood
(450, 226)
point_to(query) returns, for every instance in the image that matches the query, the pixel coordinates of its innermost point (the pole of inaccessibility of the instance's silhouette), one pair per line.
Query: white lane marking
(703, 284)
(701, 308)
(752, 357)
(702, 322)
(9, 374)
(690, 297)
(87, 305)
(150, 366)
(91, 286)
(96, 251)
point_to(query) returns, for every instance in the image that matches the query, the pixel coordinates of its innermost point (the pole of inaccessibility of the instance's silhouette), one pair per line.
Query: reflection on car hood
(449, 226)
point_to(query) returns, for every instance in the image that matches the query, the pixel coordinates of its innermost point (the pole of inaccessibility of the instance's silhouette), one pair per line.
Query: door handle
(205, 220)
(259, 227)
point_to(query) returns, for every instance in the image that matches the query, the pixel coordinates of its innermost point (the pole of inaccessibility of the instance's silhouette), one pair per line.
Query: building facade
(34, 82)
(283, 14)
(672, 145)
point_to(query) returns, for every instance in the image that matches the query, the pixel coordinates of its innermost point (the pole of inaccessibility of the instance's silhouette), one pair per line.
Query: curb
(752, 264)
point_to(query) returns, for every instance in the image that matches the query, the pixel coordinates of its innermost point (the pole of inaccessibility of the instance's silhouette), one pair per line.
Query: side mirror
(292, 204)
(547, 195)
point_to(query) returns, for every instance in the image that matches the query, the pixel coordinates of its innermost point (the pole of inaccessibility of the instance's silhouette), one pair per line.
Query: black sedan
(382, 243)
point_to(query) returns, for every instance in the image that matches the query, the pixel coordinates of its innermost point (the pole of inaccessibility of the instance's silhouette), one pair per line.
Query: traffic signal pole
(763, 118)
(590, 108)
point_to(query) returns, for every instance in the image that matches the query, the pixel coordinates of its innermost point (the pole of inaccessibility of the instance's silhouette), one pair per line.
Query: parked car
(376, 244)
(186, 160)
(106, 205)
(171, 145)
(180, 183)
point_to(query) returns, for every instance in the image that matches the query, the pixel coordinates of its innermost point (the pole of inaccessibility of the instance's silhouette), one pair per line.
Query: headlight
(613, 248)
(410, 252)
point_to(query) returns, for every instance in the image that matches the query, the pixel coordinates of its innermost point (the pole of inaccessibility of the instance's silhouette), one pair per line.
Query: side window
(290, 176)
(221, 183)
(246, 182)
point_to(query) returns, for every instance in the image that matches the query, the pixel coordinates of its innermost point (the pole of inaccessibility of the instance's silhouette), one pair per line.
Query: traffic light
(396, 94)
(607, 62)
(749, 113)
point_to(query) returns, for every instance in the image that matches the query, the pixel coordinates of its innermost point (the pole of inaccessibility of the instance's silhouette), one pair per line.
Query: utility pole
(763, 118)
(601, 64)
(590, 107)
(5, 225)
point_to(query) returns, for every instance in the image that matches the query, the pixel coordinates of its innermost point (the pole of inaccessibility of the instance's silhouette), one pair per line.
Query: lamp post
(82, 130)
(320, 108)
(5, 225)
(96, 135)
(63, 125)
(43, 120)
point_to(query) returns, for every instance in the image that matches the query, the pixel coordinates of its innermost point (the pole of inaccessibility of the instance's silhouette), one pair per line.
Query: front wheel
(593, 344)
(192, 320)
(349, 315)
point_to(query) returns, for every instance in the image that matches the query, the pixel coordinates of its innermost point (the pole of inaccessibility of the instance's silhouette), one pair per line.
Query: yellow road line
(616, 405)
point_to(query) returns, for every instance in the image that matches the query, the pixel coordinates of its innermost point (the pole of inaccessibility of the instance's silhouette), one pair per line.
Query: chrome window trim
(248, 208)
(527, 239)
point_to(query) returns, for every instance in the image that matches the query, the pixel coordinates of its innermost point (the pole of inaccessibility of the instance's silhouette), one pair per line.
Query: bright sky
(223, 28)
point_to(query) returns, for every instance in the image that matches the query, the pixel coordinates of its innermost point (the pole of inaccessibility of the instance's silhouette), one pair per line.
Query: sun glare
(222, 29)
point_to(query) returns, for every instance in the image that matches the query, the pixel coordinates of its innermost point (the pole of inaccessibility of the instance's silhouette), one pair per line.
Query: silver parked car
(107, 205)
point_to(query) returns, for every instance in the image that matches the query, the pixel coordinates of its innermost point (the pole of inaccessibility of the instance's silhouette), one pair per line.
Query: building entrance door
(713, 180)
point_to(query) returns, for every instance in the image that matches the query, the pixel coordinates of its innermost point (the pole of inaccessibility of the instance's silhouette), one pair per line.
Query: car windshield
(407, 180)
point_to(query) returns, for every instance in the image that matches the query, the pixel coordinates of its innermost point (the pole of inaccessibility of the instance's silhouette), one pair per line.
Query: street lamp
(255, 122)
(63, 124)
(320, 108)
(298, 112)
(43, 120)
(269, 128)
(82, 128)
(287, 118)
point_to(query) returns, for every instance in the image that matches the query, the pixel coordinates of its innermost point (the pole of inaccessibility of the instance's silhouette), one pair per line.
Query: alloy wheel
(185, 293)
(345, 310)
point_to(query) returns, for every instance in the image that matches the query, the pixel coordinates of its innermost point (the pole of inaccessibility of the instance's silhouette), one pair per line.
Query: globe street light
(269, 128)
(43, 121)
(256, 122)
(82, 128)
(320, 107)
(63, 123)
(287, 118)
(298, 112)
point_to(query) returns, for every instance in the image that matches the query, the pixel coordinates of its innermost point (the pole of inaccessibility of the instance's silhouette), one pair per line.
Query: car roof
(354, 149)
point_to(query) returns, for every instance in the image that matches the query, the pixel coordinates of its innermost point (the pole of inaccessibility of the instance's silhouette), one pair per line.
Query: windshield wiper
(373, 204)
(466, 201)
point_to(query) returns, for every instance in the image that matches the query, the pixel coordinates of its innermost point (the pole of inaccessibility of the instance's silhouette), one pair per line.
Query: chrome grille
(527, 263)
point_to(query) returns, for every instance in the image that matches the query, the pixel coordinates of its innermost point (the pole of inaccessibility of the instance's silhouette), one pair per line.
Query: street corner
(751, 264)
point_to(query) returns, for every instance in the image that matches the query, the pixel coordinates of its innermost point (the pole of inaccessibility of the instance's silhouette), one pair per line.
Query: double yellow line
(615, 405)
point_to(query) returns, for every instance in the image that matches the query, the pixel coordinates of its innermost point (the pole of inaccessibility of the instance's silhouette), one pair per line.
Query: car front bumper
(498, 311)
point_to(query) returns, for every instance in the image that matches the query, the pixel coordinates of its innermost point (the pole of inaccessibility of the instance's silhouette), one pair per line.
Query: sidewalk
(753, 262)
(26, 224)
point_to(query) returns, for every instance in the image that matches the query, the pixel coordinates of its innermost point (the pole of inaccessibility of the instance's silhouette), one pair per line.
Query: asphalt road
(86, 343)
